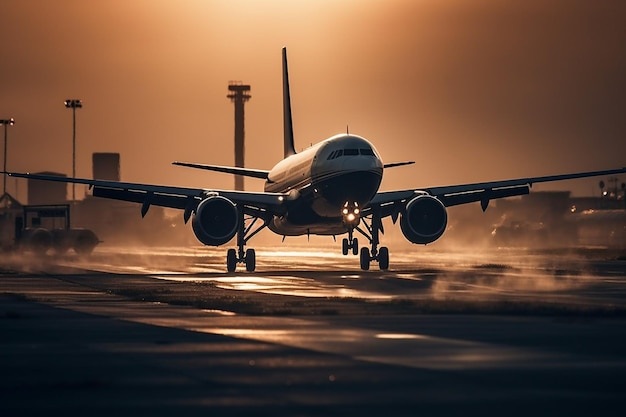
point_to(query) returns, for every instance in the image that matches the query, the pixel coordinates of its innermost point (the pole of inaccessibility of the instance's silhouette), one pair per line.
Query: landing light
(351, 213)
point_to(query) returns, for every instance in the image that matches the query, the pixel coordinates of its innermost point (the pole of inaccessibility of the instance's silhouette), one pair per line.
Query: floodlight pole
(73, 104)
(6, 123)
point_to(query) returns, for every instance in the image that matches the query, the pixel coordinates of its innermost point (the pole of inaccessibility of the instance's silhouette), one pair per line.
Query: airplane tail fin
(287, 121)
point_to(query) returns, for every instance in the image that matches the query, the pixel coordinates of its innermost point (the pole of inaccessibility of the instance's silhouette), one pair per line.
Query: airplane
(330, 188)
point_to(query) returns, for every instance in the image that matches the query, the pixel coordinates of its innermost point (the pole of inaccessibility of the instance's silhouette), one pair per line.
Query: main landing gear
(381, 256)
(244, 233)
(374, 227)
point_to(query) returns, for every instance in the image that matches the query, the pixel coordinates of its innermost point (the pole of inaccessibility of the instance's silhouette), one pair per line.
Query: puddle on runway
(402, 349)
(282, 285)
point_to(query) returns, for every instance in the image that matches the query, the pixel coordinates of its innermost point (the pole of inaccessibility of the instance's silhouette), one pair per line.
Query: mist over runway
(566, 276)
(540, 332)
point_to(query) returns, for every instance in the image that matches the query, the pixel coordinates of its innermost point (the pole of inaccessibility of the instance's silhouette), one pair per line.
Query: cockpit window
(350, 152)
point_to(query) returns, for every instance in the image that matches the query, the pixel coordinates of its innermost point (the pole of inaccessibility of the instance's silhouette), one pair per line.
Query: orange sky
(471, 90)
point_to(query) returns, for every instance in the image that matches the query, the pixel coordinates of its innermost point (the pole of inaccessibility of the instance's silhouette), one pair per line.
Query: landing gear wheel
(373, 225)
(344, 246)
(365, 259)
(383, 258)
(250, 260)
(355, 246)
(231, 260)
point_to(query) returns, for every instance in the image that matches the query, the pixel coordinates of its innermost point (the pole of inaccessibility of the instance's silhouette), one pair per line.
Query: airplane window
(350, 152)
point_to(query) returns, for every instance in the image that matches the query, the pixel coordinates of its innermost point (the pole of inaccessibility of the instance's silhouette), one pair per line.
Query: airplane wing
(452, 195)
(167, 196)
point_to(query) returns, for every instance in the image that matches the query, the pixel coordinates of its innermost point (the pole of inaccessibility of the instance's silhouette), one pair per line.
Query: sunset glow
(472, 90)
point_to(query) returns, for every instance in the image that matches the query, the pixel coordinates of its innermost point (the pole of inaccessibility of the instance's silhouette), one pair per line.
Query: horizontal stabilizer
(246, 172)
(398, 164)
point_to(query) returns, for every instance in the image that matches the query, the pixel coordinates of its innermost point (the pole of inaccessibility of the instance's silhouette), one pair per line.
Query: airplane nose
(363, 163)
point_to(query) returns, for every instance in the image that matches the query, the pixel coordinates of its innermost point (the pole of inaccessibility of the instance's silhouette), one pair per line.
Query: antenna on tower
(239, 94)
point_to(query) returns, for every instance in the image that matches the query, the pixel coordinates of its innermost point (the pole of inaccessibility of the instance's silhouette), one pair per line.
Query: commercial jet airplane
(330, 189)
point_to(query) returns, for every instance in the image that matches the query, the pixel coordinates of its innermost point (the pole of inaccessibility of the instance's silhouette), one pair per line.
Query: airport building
(47, 192)
(10, 210)
(555, 219)
(120, 222)
(106, 166)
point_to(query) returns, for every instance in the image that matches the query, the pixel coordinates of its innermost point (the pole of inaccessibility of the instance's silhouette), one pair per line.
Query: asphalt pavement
(136, 338)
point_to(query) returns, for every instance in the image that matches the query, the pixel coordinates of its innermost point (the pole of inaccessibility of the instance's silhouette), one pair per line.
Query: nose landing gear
(350, 243)
(351, 216)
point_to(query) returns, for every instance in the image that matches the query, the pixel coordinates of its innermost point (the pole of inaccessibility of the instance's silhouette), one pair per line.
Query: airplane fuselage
(342, 169)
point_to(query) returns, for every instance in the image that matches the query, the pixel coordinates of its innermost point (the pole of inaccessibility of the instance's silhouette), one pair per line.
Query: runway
(573, 277)
(441, 333)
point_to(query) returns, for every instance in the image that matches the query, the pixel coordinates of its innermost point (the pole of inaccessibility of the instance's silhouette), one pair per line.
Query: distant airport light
(73, 103)
(5, 123)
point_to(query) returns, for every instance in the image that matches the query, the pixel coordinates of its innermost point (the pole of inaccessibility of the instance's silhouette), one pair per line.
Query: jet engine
(215, 221)
(424, 220)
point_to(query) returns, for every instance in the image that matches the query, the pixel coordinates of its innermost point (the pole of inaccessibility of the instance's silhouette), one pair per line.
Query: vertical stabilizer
(287, 122)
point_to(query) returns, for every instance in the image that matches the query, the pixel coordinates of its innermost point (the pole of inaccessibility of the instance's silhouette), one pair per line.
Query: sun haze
(471, 90)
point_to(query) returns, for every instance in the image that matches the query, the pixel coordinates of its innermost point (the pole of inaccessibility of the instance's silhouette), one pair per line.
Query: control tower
(239, 94)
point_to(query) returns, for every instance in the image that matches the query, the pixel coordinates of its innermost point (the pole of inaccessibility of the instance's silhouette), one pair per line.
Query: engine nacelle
(424, 220)
(215, 221)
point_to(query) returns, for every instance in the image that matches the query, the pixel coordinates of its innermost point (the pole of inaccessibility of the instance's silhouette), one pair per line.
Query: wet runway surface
(441, 333)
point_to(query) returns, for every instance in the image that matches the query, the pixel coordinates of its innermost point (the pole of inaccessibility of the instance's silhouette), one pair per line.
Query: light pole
(73, 103)
(6, 123)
